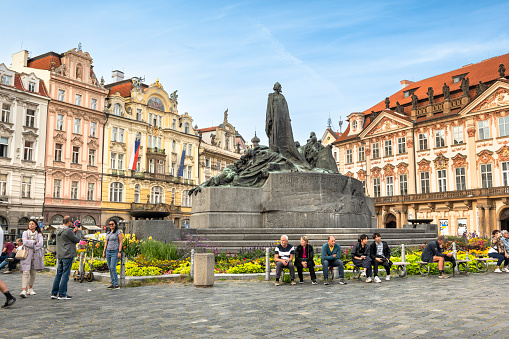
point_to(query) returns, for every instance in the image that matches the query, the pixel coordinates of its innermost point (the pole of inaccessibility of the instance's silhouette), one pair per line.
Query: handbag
(22, 254)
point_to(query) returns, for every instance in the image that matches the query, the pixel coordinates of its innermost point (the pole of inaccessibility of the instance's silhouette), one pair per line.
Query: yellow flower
(149, 238)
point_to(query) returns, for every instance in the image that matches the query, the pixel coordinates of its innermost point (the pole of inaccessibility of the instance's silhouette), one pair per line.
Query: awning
(92, 228)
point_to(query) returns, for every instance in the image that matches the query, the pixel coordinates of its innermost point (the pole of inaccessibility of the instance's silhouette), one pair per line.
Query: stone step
(296, 236)
(280, 231)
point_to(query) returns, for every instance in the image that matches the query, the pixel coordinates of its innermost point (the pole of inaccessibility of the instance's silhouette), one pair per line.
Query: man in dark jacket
(67, 238)
(433, 253)
(380, 254)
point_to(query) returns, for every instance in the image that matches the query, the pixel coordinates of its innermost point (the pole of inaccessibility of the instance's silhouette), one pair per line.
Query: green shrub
(246, 268)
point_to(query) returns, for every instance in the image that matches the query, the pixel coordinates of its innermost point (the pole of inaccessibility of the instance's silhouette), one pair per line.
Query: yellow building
(148, 114)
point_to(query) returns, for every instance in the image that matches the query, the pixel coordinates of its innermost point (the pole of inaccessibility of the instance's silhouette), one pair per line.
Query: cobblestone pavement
(413, 307)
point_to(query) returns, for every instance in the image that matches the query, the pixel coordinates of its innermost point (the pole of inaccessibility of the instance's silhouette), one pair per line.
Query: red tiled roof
(334, 134)
(207, 129)
(19, 86)
(17, 82)
(124, 89)
(485, 71)
(44, 61)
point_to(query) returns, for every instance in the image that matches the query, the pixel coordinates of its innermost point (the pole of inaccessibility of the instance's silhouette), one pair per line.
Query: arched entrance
(390, 221)
(504, 220)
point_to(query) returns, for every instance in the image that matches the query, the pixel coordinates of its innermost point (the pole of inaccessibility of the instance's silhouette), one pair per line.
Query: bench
(399, 266)
(424, 267)
(482, 263)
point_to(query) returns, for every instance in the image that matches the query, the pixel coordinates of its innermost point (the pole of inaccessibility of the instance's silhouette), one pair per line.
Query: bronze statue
(501, 70)
(465, 86)
(387, 103)
(446, 91)
(430, 95)
(414, 101)
(399, 108)
(480, 88)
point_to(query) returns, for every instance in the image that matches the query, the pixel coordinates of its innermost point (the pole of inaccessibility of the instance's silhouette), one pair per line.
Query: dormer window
(6, 80)
(31, 86)
(408, 93)
(458, 78)
(354, 124)
(116, 110)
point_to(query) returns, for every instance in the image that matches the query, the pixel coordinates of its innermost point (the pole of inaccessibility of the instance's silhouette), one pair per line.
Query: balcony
(118, 172)
(153, 211)
(138, 174)
(155, 150)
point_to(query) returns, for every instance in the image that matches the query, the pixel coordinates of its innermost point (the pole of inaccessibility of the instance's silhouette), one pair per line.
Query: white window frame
(486, 176)
(389, 186)
(114, 134)
(77, 99)
(423, 141)
(116, 191)
(74, 190)
(4, 147)
(457, 135)
(503, 126)
(376, 187)
(349, 156)
(26, 187)
(424, 181)
(442, 180)
(91, 191)
(6, 112)
(57, 188)
(361, 154)
(461, 178)
(28, 150)
(402, 145)
(75, 155)
(403, 184)
(93, 129)
(484, 129)
(58, 152)
(440, 138)
(91, 157)
(60, 122)
(77, 126)
(388, 148)
(30, 118)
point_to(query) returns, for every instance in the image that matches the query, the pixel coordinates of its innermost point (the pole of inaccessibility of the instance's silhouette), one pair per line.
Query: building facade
(74, 134)
(24, 107)
(437, 149)
(166, 168)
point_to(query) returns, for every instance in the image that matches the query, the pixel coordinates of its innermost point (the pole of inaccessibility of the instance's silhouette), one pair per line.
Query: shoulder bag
(22, 254)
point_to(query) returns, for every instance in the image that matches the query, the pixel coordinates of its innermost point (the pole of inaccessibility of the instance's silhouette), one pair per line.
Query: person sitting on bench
(497, 251)
(380, 254)
(284, 259)
(304, 259)
(433, 253)
(360, 256)
(11, 261)
(331, 253)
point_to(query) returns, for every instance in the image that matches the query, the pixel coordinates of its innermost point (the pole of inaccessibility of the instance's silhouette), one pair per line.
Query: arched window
(23, 221)
(137, 194)
(4, 223)
(116, 189)
(116, 110)
(186, 128)
(173, 144)
(156, 195)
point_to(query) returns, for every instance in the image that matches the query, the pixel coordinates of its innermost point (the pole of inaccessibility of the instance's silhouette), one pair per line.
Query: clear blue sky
(332, 57)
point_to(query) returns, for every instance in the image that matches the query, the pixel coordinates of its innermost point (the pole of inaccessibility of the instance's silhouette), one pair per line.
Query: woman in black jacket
(360, 256)
(304, 259)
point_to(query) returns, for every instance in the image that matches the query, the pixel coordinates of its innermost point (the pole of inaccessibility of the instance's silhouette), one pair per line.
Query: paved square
(412, 307)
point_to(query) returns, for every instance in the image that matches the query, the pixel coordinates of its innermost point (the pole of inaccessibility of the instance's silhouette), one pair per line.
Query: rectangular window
(113, 160)
(219, 164)
(388, 148)
(57, 186)
(363, 186)
(138, 114)
(486, 176)
(375, 150)
(31, 86)
(389, 186)
(120, 161)
(77, 100)
(505, 173)
(484, 129)
(503, 126)
(75, 155)
(60, 122)
(6, 112)
(361, 154)
(58, 152)
(74, 190)
(403, 184)
(424, 182)
(90, 191)
(457, 135)
(61, 94)
(160, 121)
(29, 151)
(77, 126)
(160, 166)
(401, 145)
(120, 135)
(151, 165)
(440, 138)
(26, 187)
(190, 150)
(349, 157)
(30, 118)
(138, 164)
(4, 146)
(442, 180)
(3, 185)
(6, 80)
(189, 172)
(91, 157)
(154, 141)
(172, 168)
(423, 142)
(207, 162)
(150, 118)
(174, 124)
(93, 104)
(149, 141)
(93, 129)
(113, 134)
(376, 187)
(461, 181)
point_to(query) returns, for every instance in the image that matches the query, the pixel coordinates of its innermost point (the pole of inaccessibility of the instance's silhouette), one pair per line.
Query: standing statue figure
(501, 70)
(399, 108)
(387, 103)
(174, 96)
(430, 95)
(414, 101)
(447, 92)
(278, 128)
(225, 116)
(480, 88)
(465, 86)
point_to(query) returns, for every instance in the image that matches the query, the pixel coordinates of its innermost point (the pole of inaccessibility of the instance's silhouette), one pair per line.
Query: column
(398, 219)
(482, 231)
(487, 220)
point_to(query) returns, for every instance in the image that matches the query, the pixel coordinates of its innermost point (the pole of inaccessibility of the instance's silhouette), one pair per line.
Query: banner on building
(181, 168)
(134, 155)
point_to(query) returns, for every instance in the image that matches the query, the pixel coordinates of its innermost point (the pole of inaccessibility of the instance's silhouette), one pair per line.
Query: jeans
(311, 266)
(112, 260)
(385, 263)
(279, 269)
(366, 263)
(333, 263)
(62, 277)
(501, 258)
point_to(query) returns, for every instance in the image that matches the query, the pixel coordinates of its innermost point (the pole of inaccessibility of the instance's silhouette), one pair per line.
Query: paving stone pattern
(412, 307)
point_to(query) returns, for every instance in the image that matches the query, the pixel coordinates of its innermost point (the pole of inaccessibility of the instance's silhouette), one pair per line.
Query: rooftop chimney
(117, 76)
(405, 83)
(20, 59)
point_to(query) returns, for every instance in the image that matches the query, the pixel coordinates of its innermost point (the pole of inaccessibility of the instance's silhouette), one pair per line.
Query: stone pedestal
(204, 269)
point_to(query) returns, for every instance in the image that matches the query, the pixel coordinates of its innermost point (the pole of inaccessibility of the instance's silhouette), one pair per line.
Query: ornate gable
(389, 170)
(402, 168)
(499, 98)
(424, 165)
(441, 162)
(503, 153)
(484, 156)
(459, 160)
(385, 125)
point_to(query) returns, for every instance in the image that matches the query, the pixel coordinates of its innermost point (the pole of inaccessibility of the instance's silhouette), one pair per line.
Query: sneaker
(326, 283)
(111, 287)
(388, 278)
(7, 272)
(363, 274)
(31, 292)
(9, 259)
(342, 282)
(443, 276)
(117, 287)
(301, 282)
(54, 296)
(368, 280)
(497, 270)
(23, 294)
(293, 282)
(377, 280)
(9, 302)
(505, 269)
(67, 297)
(314, 282)
(277, 283)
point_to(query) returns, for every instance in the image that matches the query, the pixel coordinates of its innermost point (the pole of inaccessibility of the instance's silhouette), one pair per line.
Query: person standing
(304, 259)
(67, 239)
(113, 251)
(331, 253)
(284, 259)
(360, 255)
(3, 287)
(32, 242)
(380, 254)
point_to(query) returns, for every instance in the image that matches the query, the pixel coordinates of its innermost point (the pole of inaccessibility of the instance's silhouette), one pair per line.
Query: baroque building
(166, 167)
(436, 149)
(24, 107)
(74, 134)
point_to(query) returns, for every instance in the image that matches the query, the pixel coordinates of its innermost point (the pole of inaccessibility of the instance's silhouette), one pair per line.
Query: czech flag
(134, 155)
